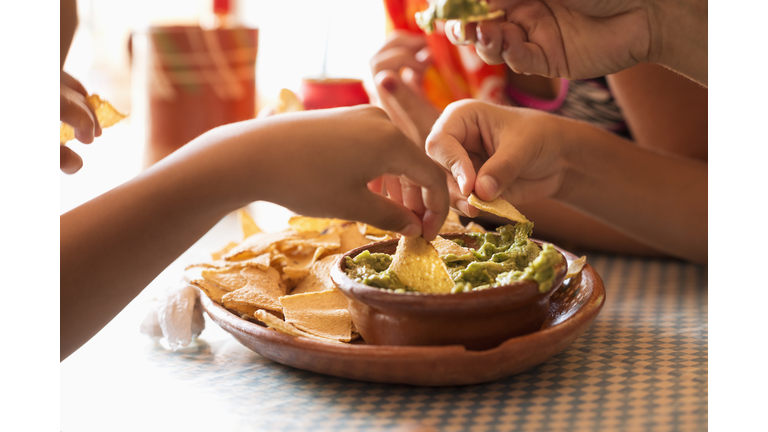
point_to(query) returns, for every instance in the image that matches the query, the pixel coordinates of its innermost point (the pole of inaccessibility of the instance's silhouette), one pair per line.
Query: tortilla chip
(473, 227)
(106, 114)
(304, 223)
(288, 102)
(262, 261)
(229, 278)
(329, 241)
(351, 238)
(418, 266)
(322, 314)
(218, 255)
(213, 291)
(372, 231)
(319, 278)
(576, 266)
(247, 224)
(449, 247)
(262, 291)
(257, 244)
(452, 228)
(283, 327)
(499, 207)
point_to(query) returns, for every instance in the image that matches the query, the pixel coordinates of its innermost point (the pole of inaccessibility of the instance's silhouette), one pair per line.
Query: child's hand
(75, 112)
(318, 163)
(565, 38)
(493, 150)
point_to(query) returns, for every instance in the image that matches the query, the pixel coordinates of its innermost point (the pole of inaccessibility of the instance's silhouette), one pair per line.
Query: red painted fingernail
(389, 85)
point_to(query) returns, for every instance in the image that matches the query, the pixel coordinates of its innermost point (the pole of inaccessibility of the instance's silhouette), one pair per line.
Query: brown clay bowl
(478, 320)
(572, 308)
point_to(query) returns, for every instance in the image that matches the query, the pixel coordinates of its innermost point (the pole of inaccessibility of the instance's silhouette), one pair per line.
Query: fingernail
(490, 185)
(389, 85)
(462, 181)
(481, 36)
(411, 230)
(463, 207)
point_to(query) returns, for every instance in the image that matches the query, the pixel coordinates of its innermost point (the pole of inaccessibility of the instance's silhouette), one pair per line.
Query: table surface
(642, 365)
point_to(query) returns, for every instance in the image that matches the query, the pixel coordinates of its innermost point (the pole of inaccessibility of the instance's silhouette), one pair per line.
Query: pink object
(523, 99)
(332, 93)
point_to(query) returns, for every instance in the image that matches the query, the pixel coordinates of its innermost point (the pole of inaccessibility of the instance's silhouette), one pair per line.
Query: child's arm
(658, 199)
(316, 163)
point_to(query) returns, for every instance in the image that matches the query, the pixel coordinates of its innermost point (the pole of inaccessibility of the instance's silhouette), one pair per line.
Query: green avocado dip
(501, 259)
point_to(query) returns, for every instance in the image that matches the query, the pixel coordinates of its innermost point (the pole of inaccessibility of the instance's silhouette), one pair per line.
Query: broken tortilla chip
(229, 278)
(247, 224)
(418, 266)
(106, 114)
(218, 255)
(319, 278)
(257, 244)
(210, 289)
(499, 207)
(322, 314)
(351, 238)
(283, 327)
(304, 223)
(262, 291)
(449, 247)
(576, 267)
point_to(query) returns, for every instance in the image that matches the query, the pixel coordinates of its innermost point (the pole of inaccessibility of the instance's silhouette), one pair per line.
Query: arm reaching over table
(317, 163)
(589, 38)
(656, 198)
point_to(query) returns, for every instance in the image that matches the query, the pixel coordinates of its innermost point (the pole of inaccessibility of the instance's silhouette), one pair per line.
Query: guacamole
(500, 259)
(449, 9)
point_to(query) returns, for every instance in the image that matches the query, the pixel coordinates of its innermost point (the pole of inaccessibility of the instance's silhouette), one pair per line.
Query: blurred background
(296, 39)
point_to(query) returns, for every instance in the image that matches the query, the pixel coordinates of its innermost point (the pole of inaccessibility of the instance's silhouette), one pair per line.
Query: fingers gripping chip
(418, 266)
(499, 207)
(106, 114)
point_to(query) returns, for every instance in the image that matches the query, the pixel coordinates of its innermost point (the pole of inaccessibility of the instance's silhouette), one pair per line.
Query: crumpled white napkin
(176, 315)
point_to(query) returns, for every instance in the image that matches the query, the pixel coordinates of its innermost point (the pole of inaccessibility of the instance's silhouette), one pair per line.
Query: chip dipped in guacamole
(500, 259)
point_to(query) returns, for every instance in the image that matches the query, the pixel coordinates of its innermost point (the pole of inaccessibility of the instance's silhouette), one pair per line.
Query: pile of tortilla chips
(283, 278)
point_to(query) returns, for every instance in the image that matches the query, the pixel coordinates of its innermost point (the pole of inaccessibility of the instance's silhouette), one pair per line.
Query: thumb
(497, 174)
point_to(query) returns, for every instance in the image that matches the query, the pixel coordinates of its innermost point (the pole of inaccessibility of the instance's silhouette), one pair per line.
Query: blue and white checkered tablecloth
(642, 366)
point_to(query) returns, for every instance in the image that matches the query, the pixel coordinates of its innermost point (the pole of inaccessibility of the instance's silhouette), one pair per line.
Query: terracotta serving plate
(572, 309)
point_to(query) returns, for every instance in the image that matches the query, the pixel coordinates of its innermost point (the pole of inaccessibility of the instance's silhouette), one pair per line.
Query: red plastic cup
(332, 93)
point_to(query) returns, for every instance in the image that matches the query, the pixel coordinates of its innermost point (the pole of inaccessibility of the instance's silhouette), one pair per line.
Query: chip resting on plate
(262, 291)
(323, 314)
(106, 114)
(277, 324)
(499, 207)
(418, 266)
(319, 278)
(213, 291)
(257, 244)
